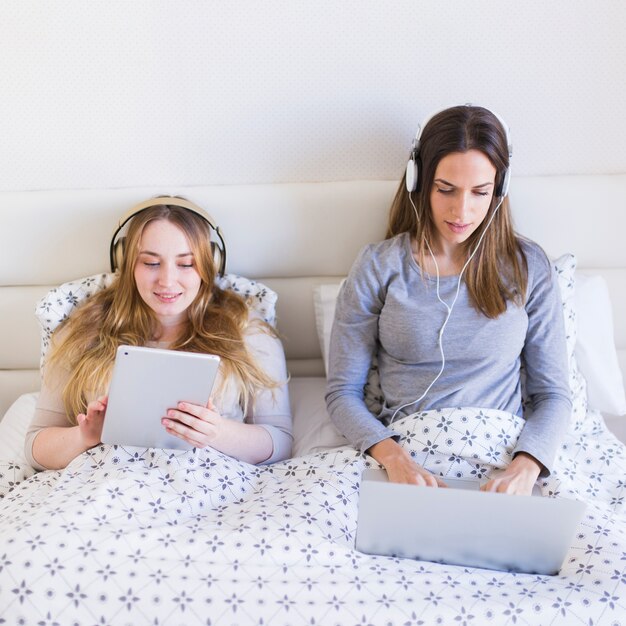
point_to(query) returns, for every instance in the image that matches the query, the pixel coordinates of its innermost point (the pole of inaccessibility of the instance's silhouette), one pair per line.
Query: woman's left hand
(518, 478)
(198, 425)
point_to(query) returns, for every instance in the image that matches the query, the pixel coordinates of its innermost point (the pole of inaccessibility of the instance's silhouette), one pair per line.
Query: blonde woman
(165, 296)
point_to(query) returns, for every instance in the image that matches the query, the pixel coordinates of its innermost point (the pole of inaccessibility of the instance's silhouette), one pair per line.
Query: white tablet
(146, 382)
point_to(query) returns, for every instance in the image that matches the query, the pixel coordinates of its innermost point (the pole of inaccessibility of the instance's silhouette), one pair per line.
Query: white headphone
(412, 183)
(118, 240)
(412, 177)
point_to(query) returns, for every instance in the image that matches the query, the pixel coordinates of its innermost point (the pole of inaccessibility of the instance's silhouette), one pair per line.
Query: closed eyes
(447, 191)
(181, 265)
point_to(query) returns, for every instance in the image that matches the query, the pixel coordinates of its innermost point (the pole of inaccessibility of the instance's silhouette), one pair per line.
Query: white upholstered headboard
(292, 236)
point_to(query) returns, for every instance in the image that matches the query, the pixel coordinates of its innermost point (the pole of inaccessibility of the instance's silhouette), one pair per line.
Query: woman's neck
(169, 333)
(446, 261)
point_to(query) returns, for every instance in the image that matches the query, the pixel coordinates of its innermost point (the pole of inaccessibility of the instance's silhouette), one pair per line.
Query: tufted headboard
(290, 236)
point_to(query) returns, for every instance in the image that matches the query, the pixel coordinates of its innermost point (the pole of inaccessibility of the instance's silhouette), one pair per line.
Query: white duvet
(131, 536)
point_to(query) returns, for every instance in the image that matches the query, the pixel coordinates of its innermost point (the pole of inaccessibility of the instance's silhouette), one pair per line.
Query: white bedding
(130, 536)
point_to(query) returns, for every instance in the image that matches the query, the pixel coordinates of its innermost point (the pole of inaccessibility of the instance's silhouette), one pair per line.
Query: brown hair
(216, 320)
(498, 272)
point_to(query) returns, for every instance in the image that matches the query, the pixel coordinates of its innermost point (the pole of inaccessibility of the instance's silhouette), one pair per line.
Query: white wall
(118, 93)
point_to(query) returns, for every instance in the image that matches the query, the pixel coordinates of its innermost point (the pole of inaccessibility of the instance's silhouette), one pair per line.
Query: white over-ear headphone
(116, 249)
(412, 177)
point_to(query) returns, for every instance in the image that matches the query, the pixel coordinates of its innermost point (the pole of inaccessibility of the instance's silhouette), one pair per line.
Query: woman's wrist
(85, 440)
(386, 451)
(527, 462)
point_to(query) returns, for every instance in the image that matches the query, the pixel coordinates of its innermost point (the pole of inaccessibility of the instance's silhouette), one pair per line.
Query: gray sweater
(387, 307)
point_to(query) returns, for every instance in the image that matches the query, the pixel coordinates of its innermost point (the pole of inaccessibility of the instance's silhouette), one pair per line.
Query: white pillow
(13, 428)
(313, 430)
(595, 346)
(565, 268)
(325, 299)
(58, 303)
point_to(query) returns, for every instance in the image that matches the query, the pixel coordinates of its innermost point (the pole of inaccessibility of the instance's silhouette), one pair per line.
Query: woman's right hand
(56, 446)
(90, 423)
(401, 468)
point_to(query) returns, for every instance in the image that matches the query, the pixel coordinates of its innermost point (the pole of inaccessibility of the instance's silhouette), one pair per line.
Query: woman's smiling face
(460, 197)
(165, 272)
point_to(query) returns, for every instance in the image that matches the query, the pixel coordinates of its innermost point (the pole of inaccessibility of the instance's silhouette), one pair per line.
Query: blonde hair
(216, 321)
(498, 271)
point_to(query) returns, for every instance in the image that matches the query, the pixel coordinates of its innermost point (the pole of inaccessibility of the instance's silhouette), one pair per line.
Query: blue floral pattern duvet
(135, 536)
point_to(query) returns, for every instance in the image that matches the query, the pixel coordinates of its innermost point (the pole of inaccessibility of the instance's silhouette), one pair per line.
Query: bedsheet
(132, 536)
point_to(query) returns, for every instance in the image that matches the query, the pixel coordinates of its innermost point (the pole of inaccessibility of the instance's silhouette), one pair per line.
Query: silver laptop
(465, 526)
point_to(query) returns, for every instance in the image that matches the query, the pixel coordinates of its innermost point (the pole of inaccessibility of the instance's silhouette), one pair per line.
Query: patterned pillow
(58, 304)
(565, 267)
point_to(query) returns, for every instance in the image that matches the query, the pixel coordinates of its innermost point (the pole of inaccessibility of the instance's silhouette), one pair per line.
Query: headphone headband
(412, 172)
(116, 247)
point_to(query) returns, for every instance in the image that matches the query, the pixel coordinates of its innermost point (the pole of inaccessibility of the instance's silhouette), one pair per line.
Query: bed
(131, 536)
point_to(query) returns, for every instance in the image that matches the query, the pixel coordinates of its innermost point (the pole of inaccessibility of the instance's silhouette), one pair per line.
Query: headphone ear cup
(504, 187)
(411, 175)
(217, 259)
(118, 253)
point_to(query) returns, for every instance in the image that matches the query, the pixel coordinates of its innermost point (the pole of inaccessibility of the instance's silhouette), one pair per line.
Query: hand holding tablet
(147, 383)
(196, 424)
